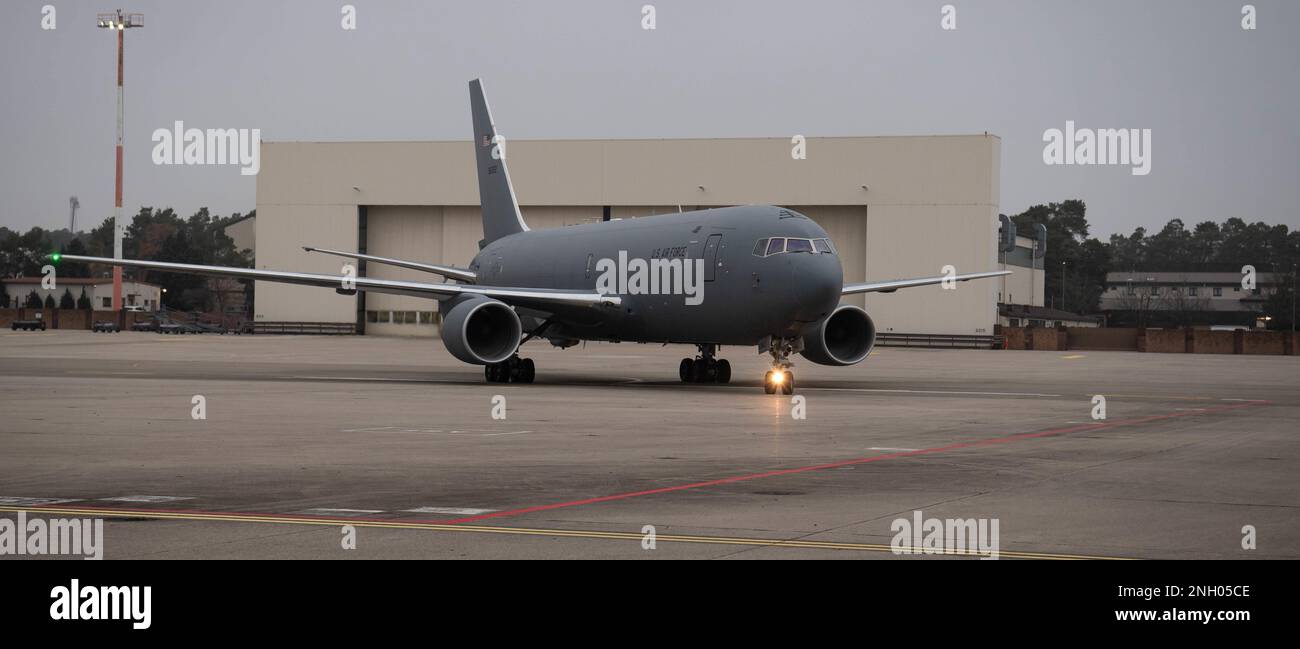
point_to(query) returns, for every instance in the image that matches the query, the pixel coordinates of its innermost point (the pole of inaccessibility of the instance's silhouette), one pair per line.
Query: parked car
(105, 326)
(28, 325)
(145, 325)
(174, 328)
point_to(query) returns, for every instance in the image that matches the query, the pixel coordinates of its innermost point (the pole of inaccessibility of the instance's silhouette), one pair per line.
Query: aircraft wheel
(723, 372)
(787, 386)
(686, 370)
(700, 371)
(489, 374)
(524, 371)
(768, 388)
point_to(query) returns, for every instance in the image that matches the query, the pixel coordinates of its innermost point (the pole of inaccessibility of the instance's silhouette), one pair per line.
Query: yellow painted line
(518, 531)
(1074, 356)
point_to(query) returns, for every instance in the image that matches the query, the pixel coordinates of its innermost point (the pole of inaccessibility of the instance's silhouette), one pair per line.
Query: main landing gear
(515, 369)
(511, 370)
(779, 378)
(704, 368)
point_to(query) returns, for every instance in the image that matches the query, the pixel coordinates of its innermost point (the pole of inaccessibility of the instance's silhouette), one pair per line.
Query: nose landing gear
(780, 378)
(704, 368)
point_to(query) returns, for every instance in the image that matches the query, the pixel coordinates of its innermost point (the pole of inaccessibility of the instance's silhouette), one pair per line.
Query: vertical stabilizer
(501, 217)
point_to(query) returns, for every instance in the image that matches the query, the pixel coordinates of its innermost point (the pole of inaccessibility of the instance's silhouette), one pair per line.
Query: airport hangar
(895, 207)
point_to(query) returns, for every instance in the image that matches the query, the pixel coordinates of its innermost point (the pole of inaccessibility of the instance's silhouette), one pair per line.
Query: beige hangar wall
(929, 201)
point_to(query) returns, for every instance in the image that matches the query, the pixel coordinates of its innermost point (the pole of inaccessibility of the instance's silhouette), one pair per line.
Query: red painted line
(683, 487)
(843, 463)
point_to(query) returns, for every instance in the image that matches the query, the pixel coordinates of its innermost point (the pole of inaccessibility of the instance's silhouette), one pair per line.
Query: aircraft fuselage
(743, 297)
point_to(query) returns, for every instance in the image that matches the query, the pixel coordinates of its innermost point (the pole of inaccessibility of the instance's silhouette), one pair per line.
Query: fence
(1157, 341)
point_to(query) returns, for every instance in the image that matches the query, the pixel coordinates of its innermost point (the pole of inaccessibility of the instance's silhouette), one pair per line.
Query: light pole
(119, 22)
(1063, 286)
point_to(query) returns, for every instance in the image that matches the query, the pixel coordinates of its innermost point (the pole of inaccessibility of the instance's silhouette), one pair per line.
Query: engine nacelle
(481, 331)
(845, 337)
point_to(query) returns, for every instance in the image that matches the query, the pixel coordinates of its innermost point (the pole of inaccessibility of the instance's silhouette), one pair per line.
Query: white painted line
(977, 394)
(890, 448)
(365, 378)
(21, 501)
(148, 499)
(458, 511)
(480, 432)
(332, 511)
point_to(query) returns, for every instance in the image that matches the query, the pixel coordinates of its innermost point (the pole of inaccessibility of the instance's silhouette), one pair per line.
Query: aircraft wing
(450, 272)
(538, 298)
(895, 284)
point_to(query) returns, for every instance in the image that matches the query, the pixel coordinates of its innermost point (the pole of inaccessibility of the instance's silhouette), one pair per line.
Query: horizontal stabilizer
(450, 272)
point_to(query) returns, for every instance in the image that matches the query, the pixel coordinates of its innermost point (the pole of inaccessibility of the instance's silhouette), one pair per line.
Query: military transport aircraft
(749, 275)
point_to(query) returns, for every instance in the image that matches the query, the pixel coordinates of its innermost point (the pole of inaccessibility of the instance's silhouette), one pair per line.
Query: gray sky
(1221, 102)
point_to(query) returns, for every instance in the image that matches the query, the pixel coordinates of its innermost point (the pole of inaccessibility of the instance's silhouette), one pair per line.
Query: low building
(1023, 315)
(1025, 285)
(1188, 298)
(244, 233)
(99, 290)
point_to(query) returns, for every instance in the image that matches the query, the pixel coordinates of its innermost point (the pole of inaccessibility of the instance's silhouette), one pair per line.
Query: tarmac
(308, 444)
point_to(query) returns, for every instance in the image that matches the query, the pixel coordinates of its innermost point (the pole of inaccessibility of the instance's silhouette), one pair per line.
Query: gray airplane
(749, 275)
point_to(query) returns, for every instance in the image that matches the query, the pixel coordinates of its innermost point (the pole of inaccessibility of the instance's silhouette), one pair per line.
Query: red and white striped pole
(119, 228)
(119, 22)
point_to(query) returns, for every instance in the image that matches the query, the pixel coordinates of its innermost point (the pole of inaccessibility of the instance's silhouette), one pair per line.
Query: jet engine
(481, 331)
(845, 337)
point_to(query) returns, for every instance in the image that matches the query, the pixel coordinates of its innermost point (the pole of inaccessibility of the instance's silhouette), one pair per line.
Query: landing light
(778, 377)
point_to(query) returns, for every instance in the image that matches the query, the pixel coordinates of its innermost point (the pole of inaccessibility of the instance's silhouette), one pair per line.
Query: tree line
(1207, 247)
(157, 234)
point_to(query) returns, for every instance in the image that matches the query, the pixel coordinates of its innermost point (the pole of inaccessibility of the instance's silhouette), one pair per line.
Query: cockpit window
(798, 245)
(779, 245)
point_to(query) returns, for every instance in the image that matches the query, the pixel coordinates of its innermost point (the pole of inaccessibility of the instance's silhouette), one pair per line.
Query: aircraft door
(711, 257)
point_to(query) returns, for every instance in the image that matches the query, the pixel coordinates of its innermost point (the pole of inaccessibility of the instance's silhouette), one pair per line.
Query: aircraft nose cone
(818, 280)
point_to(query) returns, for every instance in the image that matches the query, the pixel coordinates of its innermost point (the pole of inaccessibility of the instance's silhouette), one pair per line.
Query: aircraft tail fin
(501, 216)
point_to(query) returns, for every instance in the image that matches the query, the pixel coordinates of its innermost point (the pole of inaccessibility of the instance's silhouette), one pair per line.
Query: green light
(55, 257)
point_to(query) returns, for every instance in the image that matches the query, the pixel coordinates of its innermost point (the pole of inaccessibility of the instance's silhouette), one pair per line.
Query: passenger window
(798, 245)
(824, 245)
(760, 247)
(776, 246)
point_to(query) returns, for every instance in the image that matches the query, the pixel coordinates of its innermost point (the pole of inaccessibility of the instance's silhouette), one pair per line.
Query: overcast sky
(1221, 102)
